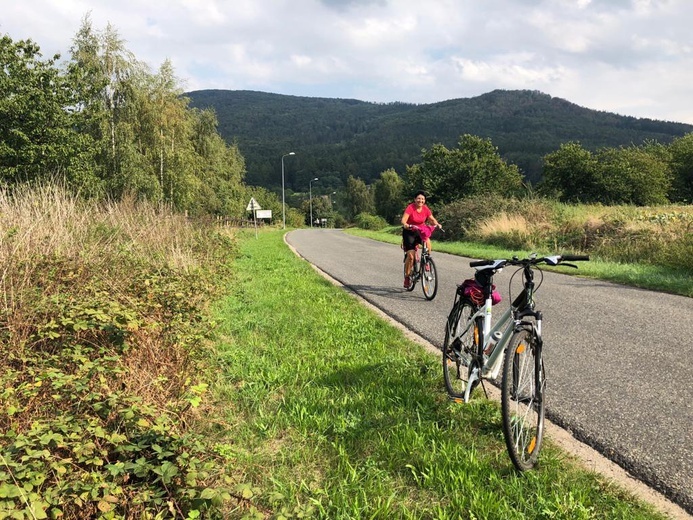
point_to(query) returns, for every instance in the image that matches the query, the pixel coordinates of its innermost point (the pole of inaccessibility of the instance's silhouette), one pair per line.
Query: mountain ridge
(337, 137)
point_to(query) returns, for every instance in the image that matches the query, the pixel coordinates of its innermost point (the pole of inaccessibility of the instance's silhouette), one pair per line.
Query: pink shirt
(415, 217)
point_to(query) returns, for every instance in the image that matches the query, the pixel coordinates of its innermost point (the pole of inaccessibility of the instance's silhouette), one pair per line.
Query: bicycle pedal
(458, 400)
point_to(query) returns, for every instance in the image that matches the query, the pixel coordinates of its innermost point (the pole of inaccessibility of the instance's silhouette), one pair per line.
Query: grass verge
(656, 278)
(330, 412)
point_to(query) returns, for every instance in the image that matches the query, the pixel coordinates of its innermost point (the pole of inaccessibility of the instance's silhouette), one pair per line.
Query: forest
(105, 126)
(337, 138)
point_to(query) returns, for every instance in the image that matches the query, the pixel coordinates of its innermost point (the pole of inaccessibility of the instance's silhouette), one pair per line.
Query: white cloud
(628, 56)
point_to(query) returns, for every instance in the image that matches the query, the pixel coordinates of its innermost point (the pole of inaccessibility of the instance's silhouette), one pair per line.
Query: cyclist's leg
(409, 262)
(410, 239)
(409, 246)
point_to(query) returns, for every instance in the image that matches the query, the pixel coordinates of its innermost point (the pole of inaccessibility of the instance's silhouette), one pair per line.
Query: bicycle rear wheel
(522, 399)
(429, 278)
(457, 350)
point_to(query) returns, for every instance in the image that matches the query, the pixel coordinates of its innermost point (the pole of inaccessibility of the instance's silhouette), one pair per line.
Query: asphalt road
(619, 360)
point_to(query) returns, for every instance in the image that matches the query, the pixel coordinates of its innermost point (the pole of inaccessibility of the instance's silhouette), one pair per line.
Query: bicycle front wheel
(522, 399)
(458, 347)
(429, 278)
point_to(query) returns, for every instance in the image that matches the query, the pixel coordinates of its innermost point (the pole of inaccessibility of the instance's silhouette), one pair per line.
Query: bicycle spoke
(457, 346)
(521, 401)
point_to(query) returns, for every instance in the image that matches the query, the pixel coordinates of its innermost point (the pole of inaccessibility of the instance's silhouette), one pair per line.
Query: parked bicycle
(424, 267)
(475, 349)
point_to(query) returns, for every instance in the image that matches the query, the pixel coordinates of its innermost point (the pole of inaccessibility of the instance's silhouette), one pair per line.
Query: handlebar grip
(574, 258)
(479, 263)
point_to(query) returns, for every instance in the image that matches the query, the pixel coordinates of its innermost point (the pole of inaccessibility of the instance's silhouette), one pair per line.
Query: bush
(295, 218)
(461, 217)
(653, 237)
(339, 220)
(102, 332)
(372, 222)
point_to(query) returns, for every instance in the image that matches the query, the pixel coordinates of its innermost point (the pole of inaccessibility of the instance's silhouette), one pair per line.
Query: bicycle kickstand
(483, 386)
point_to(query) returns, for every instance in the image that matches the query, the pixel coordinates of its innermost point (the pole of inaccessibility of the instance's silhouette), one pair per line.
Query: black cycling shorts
(410, 239)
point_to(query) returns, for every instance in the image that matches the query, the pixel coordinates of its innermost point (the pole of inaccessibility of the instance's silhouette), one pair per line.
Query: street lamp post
(284, 203)
(310, 197)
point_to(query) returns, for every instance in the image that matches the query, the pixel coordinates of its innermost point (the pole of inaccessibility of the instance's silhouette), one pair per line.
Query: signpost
(253, 206)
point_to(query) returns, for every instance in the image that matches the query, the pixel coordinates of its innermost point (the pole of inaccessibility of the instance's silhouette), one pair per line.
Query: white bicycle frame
(505, 324)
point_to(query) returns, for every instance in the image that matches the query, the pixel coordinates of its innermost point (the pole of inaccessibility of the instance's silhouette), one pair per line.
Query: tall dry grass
(47, 221)
(102, 328)
(661, 236)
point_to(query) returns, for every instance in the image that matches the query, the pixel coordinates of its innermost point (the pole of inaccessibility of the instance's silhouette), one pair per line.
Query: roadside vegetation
(156, 368)
(335, 414)
(103, 319)
(649, 247)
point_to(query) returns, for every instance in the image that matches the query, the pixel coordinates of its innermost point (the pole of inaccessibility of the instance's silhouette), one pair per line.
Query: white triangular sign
(252, 205)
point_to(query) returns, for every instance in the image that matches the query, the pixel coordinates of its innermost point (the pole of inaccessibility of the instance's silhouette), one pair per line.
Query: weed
(103, 324)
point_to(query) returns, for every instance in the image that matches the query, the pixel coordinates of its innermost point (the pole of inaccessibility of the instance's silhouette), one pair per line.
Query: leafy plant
(100, 360)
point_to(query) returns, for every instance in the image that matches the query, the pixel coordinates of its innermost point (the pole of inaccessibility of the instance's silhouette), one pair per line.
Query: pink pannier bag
(473, 290)
(425, 231)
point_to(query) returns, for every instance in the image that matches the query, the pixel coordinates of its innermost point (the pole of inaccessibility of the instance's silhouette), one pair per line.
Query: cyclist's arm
(434, 221)
(405, 219)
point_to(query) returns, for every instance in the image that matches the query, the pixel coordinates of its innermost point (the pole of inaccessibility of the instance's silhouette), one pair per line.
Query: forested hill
(335, 138)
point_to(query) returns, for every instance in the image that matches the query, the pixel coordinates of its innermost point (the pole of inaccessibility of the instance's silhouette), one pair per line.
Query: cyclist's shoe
(428, 267)
(407, 282)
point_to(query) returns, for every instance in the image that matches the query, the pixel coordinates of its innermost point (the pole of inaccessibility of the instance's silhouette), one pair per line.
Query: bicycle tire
(522, 399)
(456, 360)
(429, 278)
(476, 364)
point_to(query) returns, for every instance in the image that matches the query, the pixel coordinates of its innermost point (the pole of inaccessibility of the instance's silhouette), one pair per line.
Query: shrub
(660, 235)
(372, 222)
(459, 217)
(295, 218)
(102, 326)
(648, 236)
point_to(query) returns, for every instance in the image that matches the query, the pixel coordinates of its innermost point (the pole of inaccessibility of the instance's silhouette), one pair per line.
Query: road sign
(252, 205)
(265, 213)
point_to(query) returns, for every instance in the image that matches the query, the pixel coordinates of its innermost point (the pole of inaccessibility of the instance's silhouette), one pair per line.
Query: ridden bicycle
(475, 349)
(424, 267)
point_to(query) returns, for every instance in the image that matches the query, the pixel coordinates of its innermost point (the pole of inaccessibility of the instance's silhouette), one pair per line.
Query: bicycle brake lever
(569, 265)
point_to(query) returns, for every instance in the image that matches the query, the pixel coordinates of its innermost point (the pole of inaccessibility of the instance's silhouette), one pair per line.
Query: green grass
(330, 412)
(645, 276)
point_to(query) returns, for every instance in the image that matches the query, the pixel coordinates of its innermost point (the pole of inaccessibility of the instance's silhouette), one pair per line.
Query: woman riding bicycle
(415, 214)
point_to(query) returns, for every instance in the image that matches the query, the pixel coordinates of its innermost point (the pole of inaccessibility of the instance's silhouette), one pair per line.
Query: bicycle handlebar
(574, 258)
(550, 260)
(479, 263)
(422, 231)
(416, 227)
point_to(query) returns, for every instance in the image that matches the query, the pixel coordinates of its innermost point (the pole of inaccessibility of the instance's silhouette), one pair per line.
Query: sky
(630, 57)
